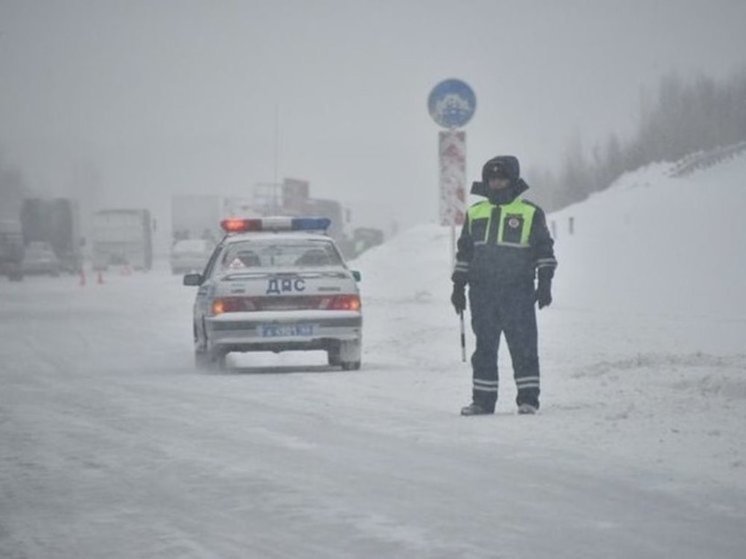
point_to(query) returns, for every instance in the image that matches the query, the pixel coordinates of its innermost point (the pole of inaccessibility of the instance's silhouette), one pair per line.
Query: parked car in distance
(40, 258)
(190, 255)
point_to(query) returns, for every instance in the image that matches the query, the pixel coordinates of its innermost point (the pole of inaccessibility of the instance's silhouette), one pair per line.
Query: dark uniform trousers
(510, 311)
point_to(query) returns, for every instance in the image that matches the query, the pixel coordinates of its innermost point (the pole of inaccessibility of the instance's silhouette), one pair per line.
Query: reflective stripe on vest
(482, 210)
(515, 215)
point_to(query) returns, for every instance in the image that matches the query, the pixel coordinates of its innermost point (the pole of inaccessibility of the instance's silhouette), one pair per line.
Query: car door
(203, 299)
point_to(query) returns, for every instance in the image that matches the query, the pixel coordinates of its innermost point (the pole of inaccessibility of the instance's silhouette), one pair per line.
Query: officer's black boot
(475, 409)
(527, 409)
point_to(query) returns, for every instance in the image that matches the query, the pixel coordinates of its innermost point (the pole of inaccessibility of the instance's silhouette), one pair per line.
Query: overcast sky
(153, 98)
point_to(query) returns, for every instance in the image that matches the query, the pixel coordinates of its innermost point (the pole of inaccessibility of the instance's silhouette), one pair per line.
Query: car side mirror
(193, 279)
(356, 275)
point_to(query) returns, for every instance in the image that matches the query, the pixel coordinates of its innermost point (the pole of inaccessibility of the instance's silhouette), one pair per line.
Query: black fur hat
(506, 166)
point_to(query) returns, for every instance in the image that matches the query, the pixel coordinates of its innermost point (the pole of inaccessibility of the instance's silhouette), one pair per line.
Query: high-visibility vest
(513, 228)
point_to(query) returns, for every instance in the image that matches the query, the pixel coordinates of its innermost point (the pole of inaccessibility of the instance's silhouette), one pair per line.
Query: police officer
(504, 245)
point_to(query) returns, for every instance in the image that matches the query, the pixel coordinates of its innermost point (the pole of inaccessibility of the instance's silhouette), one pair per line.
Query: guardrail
(704, 159)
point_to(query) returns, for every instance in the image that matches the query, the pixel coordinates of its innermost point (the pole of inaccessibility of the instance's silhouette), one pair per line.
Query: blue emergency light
(310, 223)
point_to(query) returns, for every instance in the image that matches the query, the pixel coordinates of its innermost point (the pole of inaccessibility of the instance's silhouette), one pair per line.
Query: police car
(276, 284)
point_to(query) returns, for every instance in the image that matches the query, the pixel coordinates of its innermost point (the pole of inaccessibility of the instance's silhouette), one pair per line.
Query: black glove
(544, 293)
(458, 297)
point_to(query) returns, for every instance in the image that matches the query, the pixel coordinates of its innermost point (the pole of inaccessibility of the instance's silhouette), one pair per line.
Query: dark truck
(54, 221)
(11, 250)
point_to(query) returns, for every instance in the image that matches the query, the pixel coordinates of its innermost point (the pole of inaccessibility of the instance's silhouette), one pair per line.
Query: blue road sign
(452, 103)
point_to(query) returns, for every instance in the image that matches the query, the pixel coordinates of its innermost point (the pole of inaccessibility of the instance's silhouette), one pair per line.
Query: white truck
(122, 237)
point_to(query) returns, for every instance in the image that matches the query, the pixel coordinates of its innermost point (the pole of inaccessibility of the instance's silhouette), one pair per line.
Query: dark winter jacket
(505, 239)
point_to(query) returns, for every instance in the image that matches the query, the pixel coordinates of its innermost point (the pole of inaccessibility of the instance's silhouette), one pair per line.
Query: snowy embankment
(642, 350)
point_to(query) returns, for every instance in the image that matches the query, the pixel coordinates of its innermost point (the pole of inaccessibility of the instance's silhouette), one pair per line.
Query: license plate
(286, 330)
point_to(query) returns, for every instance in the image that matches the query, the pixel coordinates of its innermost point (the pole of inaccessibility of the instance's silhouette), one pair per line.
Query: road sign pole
(452, 104)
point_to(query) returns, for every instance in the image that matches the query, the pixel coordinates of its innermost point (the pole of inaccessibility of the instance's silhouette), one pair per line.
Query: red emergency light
(235, 225)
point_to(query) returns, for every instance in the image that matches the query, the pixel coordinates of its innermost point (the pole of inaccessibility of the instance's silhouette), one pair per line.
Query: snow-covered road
(112, 445)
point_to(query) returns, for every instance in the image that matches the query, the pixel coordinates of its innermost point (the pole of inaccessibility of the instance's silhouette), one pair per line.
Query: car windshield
(248, 255)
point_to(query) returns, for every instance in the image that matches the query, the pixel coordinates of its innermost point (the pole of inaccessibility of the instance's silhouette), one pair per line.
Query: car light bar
(240, 225)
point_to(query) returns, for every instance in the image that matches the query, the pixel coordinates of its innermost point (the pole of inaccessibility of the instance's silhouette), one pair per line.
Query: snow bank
(413, 266)
(656, 244)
